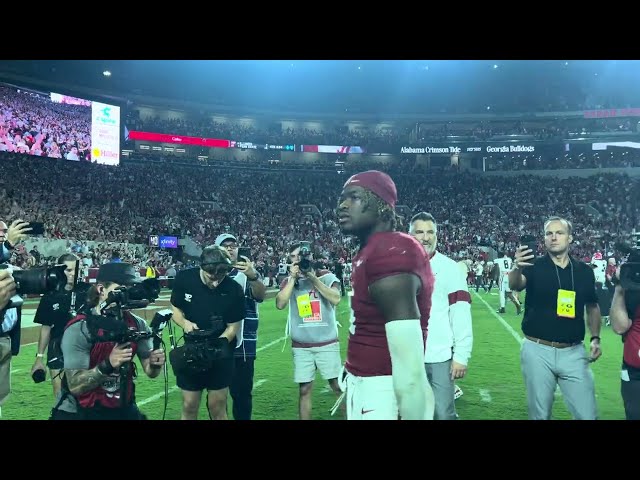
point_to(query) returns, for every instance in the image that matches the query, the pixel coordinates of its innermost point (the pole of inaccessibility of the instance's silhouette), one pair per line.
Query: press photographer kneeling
(625, 320)
(208, 306)
(99, 346)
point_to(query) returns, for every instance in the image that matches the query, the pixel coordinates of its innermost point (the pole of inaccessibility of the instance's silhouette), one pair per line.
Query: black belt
(5, 334)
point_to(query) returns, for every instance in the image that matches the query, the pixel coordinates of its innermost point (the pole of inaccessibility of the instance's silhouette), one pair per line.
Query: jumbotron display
(54, 125)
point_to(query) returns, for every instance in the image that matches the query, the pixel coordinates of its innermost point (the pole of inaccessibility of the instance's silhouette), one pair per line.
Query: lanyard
(573, 286)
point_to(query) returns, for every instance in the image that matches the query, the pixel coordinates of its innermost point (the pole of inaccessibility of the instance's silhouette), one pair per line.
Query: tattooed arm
(76, 350)
(81, 381)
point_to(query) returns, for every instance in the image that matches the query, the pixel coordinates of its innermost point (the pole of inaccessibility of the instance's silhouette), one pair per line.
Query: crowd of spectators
(31, 123)
(415, 134)
(79, 202)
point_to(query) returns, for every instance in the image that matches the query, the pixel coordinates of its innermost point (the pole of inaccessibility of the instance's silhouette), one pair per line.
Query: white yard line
(504, 323)
(485, 396)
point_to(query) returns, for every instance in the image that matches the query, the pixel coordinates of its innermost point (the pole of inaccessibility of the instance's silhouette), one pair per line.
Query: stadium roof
(371, 86)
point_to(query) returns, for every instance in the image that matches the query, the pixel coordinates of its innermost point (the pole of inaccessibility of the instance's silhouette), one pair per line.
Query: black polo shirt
(540, 314)
(209, 308)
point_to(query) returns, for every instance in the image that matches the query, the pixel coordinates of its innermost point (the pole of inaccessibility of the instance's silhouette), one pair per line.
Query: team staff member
(245, 274)
(559, 288)
(625, 321)
(54, 312)
(450, 338)
(205, 298)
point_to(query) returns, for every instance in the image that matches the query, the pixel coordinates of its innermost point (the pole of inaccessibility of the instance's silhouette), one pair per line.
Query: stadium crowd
(410, 134)
(264, 208)
(31, 123)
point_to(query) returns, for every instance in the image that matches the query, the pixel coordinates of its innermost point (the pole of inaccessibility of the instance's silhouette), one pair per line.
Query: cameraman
(206, 299)
(312, 296)
(245, 274)
(9, 333)
(91, 385)
(625, 320)
(55, 310)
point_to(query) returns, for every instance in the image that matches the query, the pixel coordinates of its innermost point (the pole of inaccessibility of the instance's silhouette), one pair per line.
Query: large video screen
(58, 126)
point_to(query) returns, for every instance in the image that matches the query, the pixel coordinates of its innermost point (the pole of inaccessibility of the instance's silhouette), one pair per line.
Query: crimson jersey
(385, 254)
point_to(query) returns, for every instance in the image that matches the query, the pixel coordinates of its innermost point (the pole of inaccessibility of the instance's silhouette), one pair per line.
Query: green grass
(493, 388)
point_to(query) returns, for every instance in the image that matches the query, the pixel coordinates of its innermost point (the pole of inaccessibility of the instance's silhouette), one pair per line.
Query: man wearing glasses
(205, 299)
(246, 275)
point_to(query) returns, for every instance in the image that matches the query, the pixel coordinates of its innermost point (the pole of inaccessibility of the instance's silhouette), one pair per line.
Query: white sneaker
(457, 392)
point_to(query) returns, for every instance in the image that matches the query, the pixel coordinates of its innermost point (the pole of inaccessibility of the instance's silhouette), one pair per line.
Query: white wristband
(40, 355)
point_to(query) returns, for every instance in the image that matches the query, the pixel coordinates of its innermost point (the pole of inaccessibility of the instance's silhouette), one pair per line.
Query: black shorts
(216, 378)
(54, 354)
(62, 415)
(97, 412)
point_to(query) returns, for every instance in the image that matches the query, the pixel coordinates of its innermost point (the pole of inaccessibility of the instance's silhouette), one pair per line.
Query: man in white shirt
(450, 336)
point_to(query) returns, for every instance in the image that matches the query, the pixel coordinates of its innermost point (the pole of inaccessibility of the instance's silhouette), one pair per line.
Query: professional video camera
(202, 348)
(139, 295)
(109, 326)
(630, 270)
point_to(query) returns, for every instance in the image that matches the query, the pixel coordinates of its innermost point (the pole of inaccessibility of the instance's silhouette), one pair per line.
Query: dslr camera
(305, 264)
(630, 270)
(35, 281)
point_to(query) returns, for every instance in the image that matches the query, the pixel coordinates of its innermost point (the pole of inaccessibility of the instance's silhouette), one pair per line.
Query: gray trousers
(544, 368)
(439, 375)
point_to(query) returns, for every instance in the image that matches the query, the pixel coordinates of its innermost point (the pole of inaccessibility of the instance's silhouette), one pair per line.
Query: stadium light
(106, 73)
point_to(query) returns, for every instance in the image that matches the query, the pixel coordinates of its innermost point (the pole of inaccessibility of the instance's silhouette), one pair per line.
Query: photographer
(11, 317)
(91, 387)
(625, 320)
(312, 296)
(559, 288)
(55, 310)
(9, 333)
(209, 307)
(245, 274)
(10, 237)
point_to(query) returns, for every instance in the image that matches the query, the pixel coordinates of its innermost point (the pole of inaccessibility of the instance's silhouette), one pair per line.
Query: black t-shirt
(544, 279)
(54, 309)
(209, 308)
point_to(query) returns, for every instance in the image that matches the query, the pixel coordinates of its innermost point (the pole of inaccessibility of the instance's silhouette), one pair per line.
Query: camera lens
(40, 280)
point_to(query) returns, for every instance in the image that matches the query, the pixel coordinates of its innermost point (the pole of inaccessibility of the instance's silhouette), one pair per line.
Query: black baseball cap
(118, 272)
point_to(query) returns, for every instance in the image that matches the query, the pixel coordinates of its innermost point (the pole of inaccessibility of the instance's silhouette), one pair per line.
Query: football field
(493, 388)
